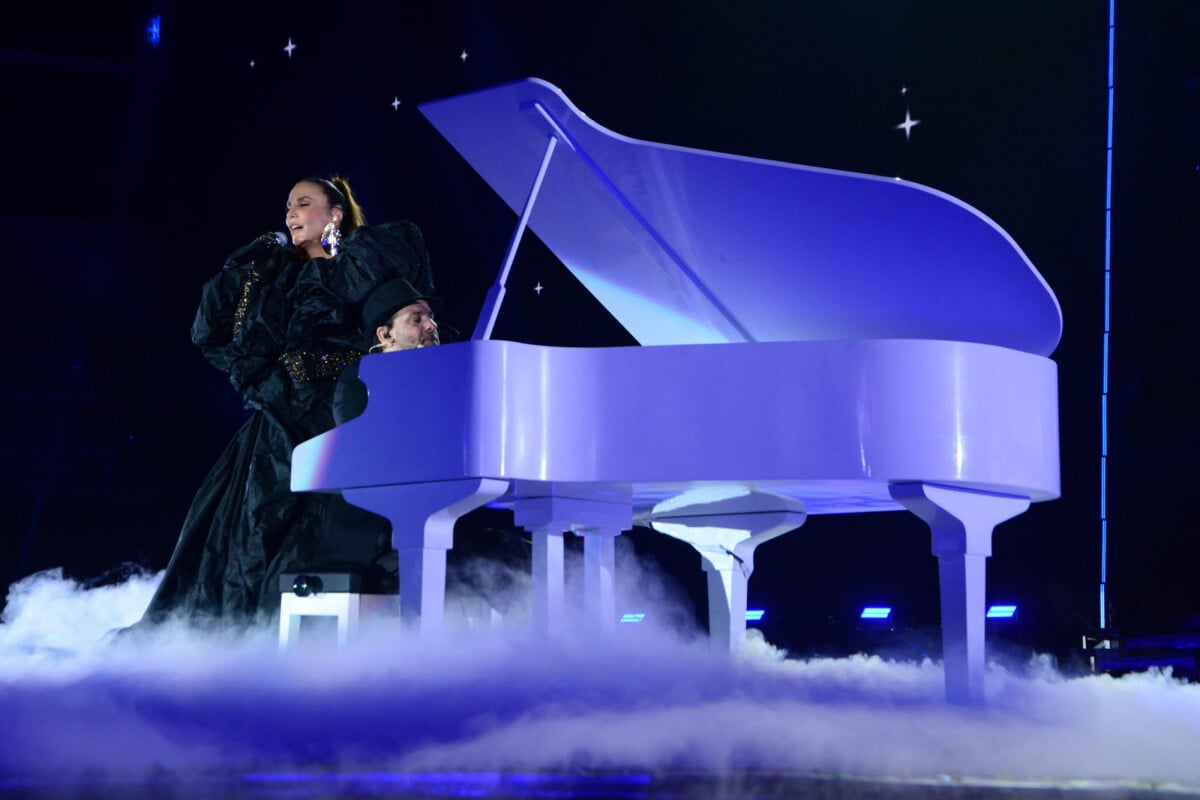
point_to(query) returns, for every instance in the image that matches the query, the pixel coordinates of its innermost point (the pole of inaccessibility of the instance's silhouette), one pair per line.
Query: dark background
(133, 168)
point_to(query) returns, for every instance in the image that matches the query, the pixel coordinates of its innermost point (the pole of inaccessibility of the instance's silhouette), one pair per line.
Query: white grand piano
(821, 342)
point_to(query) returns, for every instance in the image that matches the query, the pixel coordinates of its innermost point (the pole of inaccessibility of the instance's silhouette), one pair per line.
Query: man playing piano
(401, 316)
(398, 317)
(488, 550)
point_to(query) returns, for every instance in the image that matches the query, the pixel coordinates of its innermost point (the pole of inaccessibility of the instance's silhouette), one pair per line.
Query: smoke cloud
(77, 701)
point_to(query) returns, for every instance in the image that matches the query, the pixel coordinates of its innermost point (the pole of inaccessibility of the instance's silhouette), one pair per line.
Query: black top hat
(390, 297)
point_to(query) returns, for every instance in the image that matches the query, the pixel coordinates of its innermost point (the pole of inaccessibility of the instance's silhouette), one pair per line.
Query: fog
(78, 701)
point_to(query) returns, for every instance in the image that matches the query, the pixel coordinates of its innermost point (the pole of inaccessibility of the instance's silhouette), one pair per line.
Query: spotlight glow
(154, 30)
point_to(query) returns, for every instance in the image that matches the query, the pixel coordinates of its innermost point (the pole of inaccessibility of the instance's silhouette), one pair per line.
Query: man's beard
(413, 342)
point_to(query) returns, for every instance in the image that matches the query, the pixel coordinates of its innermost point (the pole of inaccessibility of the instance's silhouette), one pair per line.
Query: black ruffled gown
(282, 329)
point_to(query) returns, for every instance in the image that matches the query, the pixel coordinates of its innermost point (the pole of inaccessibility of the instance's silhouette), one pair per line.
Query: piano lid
(688, 246)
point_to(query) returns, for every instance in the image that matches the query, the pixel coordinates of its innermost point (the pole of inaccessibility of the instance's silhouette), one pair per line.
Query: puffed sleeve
(370, 256)
(327, 297)
(241, 320)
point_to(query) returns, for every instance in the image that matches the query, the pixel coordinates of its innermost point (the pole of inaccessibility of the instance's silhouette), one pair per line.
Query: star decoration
(395, 104)
(539, 288)
(290, 47)
(908, 124)
(463, 56)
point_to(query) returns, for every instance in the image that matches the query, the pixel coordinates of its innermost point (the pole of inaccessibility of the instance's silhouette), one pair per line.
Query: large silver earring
(331, 237)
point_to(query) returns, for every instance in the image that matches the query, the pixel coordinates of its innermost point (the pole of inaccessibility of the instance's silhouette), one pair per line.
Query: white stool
(319, 594)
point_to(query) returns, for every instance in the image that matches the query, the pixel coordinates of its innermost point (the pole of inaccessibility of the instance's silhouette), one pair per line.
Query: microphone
(259, 247)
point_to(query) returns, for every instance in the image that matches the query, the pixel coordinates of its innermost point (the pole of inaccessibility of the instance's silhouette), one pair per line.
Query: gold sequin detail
(304, 366)
(239, 314)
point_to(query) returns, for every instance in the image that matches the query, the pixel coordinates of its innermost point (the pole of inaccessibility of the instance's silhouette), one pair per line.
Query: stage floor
(598, 786)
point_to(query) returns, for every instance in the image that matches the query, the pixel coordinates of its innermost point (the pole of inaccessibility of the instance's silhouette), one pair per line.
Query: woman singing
(283, 321)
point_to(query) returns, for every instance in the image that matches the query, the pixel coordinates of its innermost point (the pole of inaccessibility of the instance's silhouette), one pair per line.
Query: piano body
(819, 342)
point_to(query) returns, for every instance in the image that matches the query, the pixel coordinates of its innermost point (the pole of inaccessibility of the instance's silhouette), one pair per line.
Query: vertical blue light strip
(1112, 27)
(1103, 444)
(1103, 557)
(1107, 289)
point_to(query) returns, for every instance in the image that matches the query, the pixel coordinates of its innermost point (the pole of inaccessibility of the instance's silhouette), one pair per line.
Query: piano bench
(323, 594)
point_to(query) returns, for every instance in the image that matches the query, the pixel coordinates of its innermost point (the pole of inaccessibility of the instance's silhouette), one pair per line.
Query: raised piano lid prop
(831, 342)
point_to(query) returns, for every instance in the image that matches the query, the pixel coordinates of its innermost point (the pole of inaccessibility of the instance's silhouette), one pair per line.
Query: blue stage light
(154, 30)
(1001, 612)
(632, 617)
(754, 614)
(1108, 181)
(876, 612)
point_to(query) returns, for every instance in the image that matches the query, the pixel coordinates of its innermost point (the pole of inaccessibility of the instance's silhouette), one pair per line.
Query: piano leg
(728, 585)
(423, 517)
(546, 518)
(548, 580)
(961, 522)
(599, 573)
(726, 543)
(423, 587)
